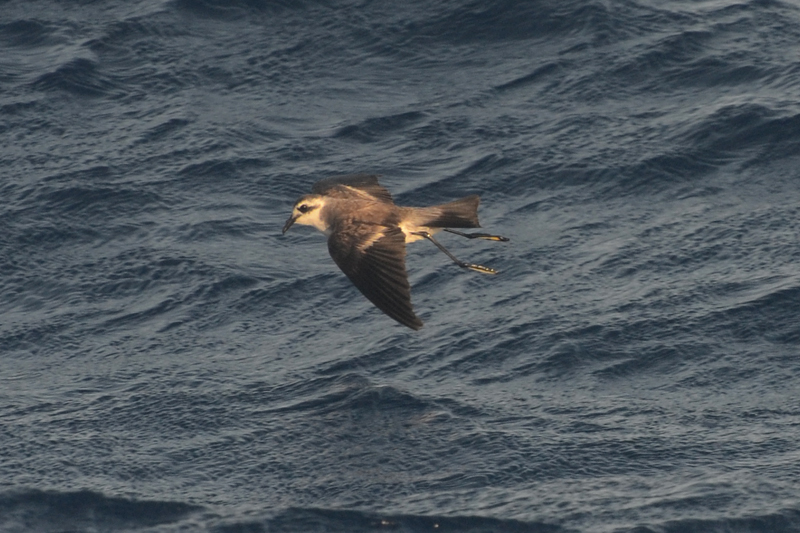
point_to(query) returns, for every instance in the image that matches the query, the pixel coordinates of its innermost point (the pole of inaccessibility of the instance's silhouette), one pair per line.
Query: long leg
(462, 264)
(486, 236)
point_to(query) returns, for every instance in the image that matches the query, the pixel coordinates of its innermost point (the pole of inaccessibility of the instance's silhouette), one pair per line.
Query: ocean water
(170, 362)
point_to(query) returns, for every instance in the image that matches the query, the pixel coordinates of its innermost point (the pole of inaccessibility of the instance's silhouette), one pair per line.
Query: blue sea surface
(170, 362)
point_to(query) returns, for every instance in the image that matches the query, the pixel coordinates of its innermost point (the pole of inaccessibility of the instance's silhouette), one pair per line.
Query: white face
(308, 211)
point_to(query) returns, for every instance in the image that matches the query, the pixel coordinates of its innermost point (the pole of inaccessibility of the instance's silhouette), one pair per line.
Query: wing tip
(415, 324)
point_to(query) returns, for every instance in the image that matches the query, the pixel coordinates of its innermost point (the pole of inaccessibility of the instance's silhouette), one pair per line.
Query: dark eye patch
(304, 208)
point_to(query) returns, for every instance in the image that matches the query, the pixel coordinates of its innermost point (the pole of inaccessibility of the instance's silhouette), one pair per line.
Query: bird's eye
(303, 208)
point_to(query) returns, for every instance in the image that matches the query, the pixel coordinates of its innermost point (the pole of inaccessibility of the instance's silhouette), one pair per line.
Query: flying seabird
(367, 236)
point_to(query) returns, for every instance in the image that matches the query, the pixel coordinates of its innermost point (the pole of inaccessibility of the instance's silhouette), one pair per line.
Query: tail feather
(461, 213)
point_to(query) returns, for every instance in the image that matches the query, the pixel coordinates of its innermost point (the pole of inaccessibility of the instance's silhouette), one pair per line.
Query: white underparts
(409, 229)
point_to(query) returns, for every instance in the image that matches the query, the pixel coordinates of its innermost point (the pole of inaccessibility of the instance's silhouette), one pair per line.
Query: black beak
(289, 224)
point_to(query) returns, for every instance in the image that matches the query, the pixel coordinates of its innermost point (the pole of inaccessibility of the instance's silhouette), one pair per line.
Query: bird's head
(308, 211)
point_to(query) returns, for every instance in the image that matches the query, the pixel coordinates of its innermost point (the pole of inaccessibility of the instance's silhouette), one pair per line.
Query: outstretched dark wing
(373, 257)
(337, 186)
